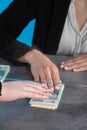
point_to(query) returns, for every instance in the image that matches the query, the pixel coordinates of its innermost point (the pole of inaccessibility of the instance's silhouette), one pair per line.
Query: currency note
(51, 102)
(4, 70)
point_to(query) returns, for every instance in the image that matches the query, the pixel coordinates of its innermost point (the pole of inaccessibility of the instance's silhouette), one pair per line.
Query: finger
(49, 79)
(45, 76)
(36, 87)
(55, 77)
(76, 64)
(71, 67)
(74, 59)
(43, 79)
(34, 91)
(68, 64)
(81, 68)
(42, 75)
(34, 95)
(35, 75)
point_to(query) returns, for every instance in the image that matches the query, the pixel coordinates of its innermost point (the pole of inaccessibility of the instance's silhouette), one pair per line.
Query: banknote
(4, 70)
(52, 102)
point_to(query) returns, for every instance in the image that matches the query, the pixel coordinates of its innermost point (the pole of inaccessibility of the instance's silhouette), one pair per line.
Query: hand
(18, 90)
(42, 68)
(77, 63)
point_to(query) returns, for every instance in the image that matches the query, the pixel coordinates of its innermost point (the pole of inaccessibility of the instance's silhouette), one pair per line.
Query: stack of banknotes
(4, 70)
(52, 102)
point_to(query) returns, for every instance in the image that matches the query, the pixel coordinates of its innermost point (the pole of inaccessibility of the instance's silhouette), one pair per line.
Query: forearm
(12, 22)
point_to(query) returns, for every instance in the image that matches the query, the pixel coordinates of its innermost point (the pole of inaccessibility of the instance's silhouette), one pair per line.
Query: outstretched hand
(42, 68)
(14, 90)
(76, 64)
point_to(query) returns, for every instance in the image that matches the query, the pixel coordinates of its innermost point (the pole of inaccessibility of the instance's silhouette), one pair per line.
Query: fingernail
(66, 68)
(57, 87)
(61, 66)
(75, 70)
(62, 63)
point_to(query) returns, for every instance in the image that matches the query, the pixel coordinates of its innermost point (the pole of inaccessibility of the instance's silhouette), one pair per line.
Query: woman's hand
(18, 90)
(42, 68)
(77, 63)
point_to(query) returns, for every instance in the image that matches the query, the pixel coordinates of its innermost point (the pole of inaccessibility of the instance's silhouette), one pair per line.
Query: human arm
(42, 68)
(12, 22)
(77, 63)
(15, 90)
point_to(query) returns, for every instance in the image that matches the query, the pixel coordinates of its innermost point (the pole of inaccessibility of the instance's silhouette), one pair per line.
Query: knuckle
(54, 69)
(46, 67)
(49, 79)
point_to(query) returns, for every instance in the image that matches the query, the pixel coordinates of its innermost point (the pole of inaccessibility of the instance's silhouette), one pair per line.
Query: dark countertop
(72, 111)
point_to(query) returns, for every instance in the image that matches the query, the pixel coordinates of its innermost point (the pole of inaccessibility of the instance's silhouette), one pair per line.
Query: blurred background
(27, 34)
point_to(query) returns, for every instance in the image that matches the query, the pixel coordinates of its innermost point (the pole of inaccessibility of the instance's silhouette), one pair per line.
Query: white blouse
(73, 41)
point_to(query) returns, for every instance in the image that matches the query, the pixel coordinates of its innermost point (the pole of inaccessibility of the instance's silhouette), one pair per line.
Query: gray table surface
(72, 111)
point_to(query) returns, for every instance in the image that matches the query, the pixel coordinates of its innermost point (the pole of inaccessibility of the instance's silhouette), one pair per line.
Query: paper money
(52, 102)
(4, 70)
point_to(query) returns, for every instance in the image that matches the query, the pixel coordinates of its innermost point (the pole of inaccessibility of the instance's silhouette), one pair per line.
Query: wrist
(30, 56)
(27, 58)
